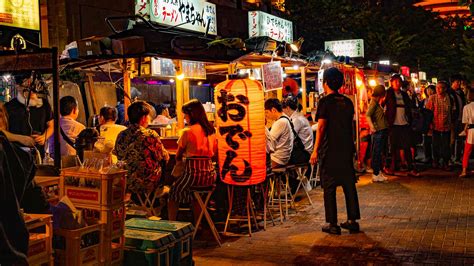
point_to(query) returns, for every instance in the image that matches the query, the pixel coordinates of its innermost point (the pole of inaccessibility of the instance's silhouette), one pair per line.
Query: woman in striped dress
(196, 147)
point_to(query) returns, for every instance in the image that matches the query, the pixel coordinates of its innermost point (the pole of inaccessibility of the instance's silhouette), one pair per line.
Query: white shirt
(303, 129)
(71, 128)
(110, 133)
(280, 141)
(161, 120)
(468, 118)
(400, 116)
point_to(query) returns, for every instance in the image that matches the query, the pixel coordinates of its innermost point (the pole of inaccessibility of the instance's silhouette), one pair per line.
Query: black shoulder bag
(299, 155)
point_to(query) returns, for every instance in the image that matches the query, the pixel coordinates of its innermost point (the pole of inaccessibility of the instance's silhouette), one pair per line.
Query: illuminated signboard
(20, 14)
(163, 67)
(142, 8)
(198, 13)
(263, 24)
(351, 48)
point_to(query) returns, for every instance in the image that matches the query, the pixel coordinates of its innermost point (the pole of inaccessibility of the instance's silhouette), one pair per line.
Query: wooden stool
(248, 205)
(266, 210)
(300, 171)
(288, 195)
(200, 193)
(315, 177)
(275, 187)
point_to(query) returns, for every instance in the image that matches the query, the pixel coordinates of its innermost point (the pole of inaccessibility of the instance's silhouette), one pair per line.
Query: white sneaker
(383, 177)
(378, 178)
(369, 170)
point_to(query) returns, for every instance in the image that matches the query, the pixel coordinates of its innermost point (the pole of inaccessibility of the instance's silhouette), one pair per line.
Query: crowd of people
(400, 121)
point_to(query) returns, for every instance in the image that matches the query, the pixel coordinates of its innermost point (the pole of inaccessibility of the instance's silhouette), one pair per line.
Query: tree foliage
(396, 30)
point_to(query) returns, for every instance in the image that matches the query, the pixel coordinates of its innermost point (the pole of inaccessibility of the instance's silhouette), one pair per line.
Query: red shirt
(441, 107)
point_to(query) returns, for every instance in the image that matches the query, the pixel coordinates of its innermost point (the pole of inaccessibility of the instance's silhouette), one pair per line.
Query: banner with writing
(263, 24)
(351, 48)
(198, 14)
(22, 14)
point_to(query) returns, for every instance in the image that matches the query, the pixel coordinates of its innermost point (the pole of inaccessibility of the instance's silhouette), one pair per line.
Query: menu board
(23, 14)
(263, 24)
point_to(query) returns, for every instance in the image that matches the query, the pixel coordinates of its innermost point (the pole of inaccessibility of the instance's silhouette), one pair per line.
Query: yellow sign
(20, 13)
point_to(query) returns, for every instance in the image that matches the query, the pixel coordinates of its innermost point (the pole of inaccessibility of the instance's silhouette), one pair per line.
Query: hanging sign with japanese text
(351, 48)
(22, 14)
(272, 76)
(194, 15)
(142, 8)
(263, 24)
(241, 136)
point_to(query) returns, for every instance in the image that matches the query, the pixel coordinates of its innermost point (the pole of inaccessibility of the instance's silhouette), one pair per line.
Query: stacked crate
(182, 250)
(40, 243)
(100, 196)
(148, 248)
(78, 247)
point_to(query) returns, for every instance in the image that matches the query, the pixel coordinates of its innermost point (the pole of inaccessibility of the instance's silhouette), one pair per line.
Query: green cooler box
(148, 248)
(183, 232)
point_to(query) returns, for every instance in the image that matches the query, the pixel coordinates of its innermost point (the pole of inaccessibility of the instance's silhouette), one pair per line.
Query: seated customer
(141, 149)
(108, 129)
(162, 115)
(280, 137)
(68, 108)
(196, 147)
(23, 140)
(300, 122)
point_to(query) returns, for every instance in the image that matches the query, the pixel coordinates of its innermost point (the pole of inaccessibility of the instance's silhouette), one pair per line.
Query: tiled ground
(427, 220)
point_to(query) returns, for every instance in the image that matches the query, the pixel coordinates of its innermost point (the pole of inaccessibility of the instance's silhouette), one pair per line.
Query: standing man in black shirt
(334, 148)
(36, 119)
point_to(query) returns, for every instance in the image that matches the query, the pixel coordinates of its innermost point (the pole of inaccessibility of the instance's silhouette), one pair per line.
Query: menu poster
(272, 77)
(22, 14)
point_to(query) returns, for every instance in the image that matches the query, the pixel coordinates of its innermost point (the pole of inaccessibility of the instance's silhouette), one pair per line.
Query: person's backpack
(299, 155)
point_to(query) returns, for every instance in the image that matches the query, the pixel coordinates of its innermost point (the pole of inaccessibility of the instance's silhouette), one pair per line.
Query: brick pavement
(428, 220)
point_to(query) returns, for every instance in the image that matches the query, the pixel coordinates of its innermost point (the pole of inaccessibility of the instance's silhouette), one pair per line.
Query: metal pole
(179, 94)
(57, 148)
(303, 87)
(126, 87)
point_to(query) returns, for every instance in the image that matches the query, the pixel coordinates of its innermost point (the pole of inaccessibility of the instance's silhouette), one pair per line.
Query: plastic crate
(113, 218)
(93, 187)
(112, 251)
(50, 186)
(148, 248)
(78, 247)
(43, 261)
(182, 231)
(40, 237)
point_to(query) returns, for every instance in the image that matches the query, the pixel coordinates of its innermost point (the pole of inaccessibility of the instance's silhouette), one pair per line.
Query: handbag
(299, 155)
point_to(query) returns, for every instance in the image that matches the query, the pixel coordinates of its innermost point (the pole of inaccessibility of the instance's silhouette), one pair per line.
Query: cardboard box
(129, 45)
(89, 46)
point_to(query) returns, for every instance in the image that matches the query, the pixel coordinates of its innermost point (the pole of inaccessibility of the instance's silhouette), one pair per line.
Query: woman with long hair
(24, 140)
(196, 147)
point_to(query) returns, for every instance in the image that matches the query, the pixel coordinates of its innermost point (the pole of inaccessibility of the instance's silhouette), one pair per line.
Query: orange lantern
(241, 137)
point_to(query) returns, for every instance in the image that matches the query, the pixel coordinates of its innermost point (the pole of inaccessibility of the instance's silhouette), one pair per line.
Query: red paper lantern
(241, 138)
(290, 86)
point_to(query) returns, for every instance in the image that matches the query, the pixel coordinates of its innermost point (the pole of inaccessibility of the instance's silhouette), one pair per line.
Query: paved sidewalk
(427, 220)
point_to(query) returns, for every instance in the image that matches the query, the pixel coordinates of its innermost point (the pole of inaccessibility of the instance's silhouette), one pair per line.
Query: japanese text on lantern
(233, 108)
(241, 137)
(195, 15)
